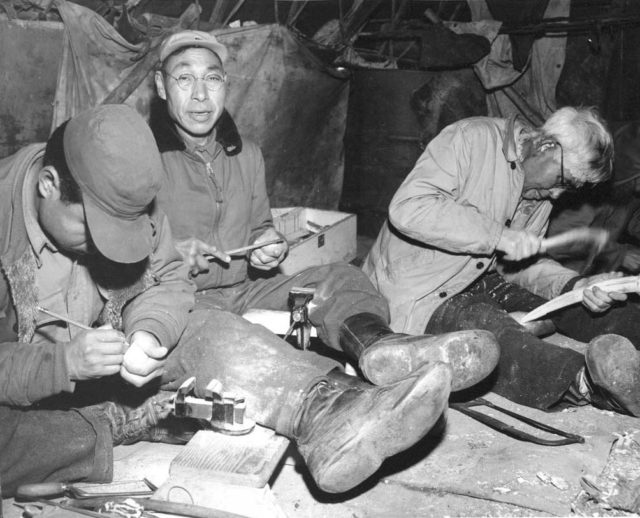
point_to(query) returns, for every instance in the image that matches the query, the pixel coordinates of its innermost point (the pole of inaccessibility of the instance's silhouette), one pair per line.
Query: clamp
(299, 299)
(223, 410)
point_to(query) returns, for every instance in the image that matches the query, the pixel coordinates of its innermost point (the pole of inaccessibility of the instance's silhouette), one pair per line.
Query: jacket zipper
(217, 214)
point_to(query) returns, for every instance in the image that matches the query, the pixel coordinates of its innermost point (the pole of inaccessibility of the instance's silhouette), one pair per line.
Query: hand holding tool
(244, 249)
(68, 320)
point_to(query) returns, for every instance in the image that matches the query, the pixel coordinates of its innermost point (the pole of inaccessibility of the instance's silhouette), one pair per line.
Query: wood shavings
(551, 480)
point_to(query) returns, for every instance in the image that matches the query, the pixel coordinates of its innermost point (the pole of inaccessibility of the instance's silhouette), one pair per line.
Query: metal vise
(299, 299)
(223, 410)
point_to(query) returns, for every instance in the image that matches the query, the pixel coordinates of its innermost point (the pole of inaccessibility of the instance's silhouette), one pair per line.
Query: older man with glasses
(463, 244)
(214, 194)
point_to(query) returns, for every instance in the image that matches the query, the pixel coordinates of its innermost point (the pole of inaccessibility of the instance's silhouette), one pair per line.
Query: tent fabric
(523, 11)
(95, 59)
(281, 96)
(532, 92)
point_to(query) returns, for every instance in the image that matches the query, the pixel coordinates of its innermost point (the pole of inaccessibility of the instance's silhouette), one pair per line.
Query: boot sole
(407, 421)
(472, 354)
(614, 365)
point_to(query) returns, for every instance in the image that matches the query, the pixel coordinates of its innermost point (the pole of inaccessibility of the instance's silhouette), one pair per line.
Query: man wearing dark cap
(214, 195)
(81, 243)
(82, 239)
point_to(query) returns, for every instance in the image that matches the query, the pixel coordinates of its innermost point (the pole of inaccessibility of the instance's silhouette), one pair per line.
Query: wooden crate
(315, 236)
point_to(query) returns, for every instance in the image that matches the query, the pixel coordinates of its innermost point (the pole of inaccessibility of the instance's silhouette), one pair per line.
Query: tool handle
(247, 248)
(597, 237)
(61, 317)
(44, 489)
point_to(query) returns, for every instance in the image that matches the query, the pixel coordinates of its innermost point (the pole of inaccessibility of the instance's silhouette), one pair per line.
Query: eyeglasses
(212, 82)
(563, 184)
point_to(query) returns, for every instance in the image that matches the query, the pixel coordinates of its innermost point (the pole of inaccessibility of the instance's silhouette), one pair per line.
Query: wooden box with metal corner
(315, 236)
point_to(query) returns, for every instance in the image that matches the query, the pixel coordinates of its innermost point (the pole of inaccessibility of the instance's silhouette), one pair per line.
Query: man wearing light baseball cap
(214, 194)
(81, 239)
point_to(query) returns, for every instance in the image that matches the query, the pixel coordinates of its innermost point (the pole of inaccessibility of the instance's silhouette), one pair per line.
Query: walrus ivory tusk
(620, 284)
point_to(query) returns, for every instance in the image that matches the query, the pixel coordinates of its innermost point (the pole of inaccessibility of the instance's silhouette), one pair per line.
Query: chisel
(84, 489)
(244, 249)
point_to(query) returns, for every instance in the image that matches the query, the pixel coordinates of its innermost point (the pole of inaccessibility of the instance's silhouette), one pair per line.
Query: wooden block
(246, 460)
(227, 473)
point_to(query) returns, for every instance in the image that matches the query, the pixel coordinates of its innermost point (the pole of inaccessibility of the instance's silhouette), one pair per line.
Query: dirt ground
(462, 468)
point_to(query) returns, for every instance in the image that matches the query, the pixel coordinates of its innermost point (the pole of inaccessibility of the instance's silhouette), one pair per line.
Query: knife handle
(44, 489)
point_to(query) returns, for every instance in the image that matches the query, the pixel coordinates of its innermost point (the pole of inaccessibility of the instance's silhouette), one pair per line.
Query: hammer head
(583, 241)
(577, 239)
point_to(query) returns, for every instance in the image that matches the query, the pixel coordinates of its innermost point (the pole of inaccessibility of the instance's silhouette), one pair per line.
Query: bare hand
(596, 299)
(196, 254)
(518, 244)
(270, 256)
(95, 353)
(144, 360)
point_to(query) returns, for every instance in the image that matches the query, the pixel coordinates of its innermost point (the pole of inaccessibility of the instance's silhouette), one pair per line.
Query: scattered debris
(616, 491)
(558, 482)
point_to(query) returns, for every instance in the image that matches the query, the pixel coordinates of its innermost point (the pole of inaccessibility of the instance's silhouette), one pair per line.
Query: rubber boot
(613, 365)
(385, 357)
(345, 431)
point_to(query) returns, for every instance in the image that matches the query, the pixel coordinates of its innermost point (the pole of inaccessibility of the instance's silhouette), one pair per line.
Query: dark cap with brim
(112, 155)
(184, 39)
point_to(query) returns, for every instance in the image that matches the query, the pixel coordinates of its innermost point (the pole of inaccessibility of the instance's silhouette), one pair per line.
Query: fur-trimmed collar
(168, 139)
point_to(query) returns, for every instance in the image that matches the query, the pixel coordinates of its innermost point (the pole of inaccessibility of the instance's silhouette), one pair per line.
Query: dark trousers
(531, 371)
(62, 443)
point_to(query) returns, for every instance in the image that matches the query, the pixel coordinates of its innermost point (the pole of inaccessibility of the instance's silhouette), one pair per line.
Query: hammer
(594, 238)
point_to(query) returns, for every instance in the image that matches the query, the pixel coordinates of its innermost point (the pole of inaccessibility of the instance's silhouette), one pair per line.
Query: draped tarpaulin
(279, 94)
(531, 92)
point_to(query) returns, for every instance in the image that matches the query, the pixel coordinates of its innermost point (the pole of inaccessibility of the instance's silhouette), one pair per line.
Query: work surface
(466, 469)
(471, 471)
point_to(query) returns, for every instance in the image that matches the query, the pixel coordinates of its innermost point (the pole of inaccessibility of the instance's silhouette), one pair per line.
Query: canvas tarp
(530, 92)
(279, 94)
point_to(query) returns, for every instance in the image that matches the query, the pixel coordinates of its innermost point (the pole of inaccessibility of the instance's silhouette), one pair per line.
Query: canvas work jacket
(157, 300)
(446, 220)
(216, 194)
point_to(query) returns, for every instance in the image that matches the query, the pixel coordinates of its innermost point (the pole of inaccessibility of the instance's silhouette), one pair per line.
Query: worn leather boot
(613, 365)
(149, 421)
(385, 357)
(345, 431)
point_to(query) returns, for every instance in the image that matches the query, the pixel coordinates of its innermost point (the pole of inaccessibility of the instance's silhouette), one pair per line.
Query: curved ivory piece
(620, 284)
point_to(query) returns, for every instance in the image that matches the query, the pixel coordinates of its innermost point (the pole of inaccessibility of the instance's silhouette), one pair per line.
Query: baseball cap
(112, 155)
(626, 153)
(192, 38)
